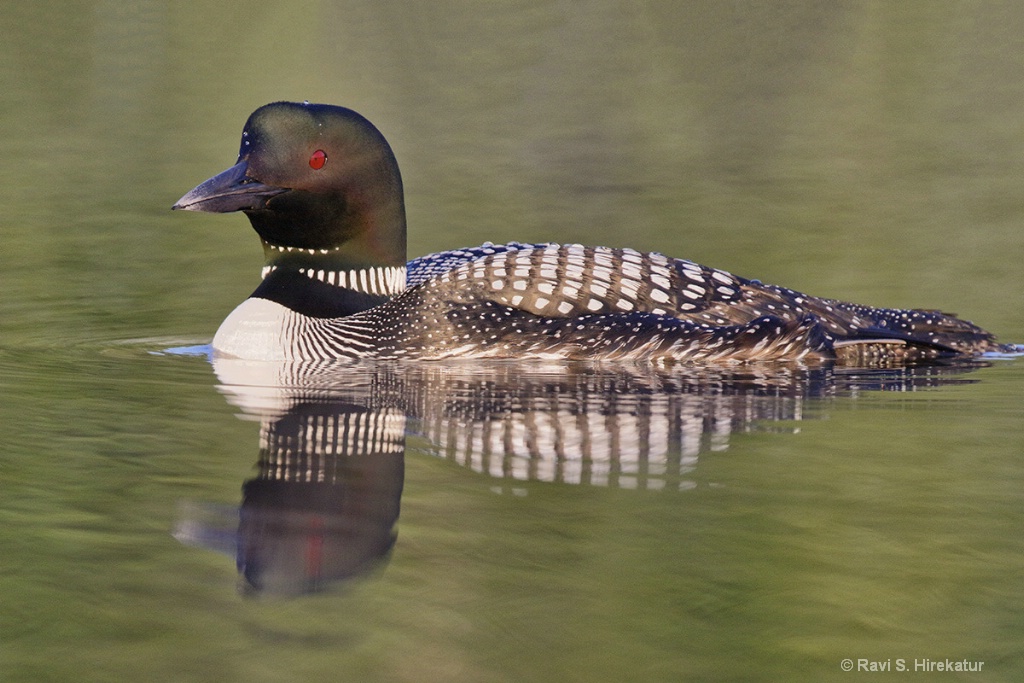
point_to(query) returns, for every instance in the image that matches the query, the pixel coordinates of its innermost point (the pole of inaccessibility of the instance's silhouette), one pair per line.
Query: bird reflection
(627, 426)
(324, 503)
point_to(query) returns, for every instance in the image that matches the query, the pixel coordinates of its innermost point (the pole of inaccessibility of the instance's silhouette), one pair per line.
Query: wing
(571, 281)
(423, 268)
(575, 301)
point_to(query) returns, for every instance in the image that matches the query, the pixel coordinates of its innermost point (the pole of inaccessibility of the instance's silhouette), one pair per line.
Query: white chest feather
(257, 329)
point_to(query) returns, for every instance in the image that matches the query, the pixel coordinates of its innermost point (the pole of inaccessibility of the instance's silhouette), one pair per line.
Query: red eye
(317, 159)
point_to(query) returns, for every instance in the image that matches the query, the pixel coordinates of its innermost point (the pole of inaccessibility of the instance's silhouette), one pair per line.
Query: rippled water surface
(165, 517)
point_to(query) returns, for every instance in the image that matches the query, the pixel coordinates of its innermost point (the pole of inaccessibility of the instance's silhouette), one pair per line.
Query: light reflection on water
(324, 503)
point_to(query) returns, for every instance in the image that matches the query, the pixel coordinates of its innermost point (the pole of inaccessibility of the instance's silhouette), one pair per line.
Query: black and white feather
(576, 302)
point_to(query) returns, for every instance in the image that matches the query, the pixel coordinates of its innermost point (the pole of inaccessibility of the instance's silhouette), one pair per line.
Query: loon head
(320, 185)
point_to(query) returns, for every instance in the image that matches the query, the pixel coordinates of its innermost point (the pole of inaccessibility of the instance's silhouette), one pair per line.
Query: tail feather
(869, 352)
(932, 332)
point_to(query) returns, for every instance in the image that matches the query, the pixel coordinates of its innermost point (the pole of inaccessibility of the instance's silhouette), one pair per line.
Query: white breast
(257, 329)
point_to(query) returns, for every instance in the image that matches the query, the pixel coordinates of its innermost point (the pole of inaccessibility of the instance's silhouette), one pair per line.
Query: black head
(314, 176)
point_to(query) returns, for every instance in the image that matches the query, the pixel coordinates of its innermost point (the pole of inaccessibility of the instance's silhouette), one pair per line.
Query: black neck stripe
(313, 298)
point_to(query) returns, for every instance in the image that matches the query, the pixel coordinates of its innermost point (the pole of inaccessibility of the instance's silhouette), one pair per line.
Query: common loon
(321, 187)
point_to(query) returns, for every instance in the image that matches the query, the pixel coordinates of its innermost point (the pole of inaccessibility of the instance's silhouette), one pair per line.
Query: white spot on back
(660, 296)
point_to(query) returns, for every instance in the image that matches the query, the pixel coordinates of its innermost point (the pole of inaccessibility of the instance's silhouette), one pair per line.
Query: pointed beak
(230, 190)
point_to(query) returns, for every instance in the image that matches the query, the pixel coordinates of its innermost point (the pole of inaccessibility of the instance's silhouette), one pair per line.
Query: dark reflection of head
(325, 502)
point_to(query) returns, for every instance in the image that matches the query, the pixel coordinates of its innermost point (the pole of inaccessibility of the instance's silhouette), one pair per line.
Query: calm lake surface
(169, 518)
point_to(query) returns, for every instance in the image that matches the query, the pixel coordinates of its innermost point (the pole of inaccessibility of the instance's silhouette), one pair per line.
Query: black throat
(309, 296)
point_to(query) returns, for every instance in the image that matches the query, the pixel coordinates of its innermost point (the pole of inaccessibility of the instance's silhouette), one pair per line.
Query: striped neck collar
(316, 264)
(380, 280)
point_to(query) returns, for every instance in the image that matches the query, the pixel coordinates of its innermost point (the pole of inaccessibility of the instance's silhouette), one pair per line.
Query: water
(554, 522)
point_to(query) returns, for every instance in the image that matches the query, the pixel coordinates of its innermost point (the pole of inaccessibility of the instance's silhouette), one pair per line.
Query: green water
(864, 151)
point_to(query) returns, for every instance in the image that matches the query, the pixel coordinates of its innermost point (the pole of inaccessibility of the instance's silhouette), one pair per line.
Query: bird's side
(321, 187)
(575, 302)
